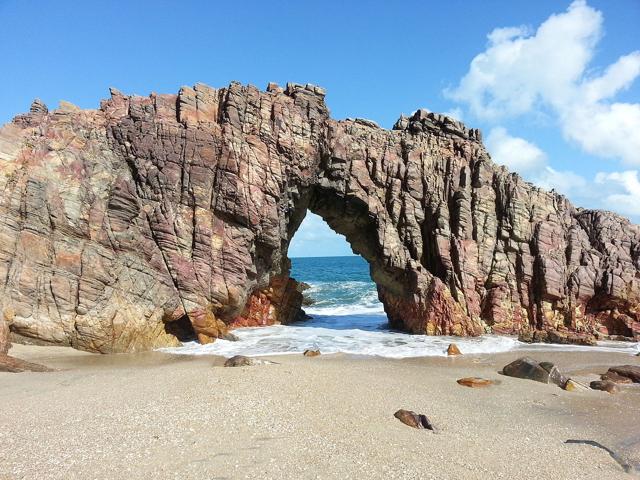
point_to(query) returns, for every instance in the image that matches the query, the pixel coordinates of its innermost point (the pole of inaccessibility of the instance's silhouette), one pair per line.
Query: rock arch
(150, 210)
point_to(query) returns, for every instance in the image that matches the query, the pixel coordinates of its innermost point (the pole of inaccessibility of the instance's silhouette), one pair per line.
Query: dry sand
(160, 416)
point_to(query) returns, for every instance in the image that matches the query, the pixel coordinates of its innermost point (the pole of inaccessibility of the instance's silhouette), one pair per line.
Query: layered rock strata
(156, 219)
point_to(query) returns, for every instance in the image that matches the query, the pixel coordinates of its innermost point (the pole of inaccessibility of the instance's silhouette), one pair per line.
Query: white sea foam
(365, 334)
(345, 310)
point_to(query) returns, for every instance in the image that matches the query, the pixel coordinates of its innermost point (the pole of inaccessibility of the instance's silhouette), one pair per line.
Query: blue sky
(553, 85)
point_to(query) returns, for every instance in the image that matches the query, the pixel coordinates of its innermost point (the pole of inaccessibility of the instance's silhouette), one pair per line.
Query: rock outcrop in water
(156, 219)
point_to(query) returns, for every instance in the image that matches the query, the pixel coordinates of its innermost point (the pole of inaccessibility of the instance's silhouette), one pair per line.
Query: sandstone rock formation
(156, 219)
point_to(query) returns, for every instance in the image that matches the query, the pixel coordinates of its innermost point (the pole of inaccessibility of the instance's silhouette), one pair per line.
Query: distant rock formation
(156, 219)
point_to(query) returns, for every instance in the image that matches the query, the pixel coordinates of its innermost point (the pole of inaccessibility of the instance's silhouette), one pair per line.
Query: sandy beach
(156, 415)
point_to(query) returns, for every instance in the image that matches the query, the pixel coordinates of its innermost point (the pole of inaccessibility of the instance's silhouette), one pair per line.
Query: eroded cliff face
(154, 219)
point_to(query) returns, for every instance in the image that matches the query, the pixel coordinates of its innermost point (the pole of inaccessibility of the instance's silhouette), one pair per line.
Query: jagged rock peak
(424, 120)
(38, 107)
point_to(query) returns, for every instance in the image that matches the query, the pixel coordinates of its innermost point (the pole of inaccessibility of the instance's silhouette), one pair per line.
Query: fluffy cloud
(621, 191)
(455, 113)
(548, 71)
(617, 191)
(531, 162)
(565, 182)
(514, 152)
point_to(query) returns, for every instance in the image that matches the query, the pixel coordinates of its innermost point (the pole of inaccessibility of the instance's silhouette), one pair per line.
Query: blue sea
(347, 317)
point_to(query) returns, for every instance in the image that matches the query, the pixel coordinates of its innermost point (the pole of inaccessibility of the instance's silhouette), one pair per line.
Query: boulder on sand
(614, 377)
(311, 352)
(413, 419)
(604, 385)
(629, 371)
(453, 350)
(527, 368)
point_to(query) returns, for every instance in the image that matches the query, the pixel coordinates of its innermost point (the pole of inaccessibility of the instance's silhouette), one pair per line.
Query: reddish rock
(474, 382)
(611, 376)
(15, 365)
(413, 419)
(559, 337)
(148, 211)
(453, 349)
(631, 372)
(277, 304)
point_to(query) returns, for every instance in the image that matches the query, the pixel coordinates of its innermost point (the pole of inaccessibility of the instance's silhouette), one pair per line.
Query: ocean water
(347, 317)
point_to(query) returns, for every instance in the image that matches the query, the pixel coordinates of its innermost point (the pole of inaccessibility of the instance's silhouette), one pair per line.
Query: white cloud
(566, 182)
(548, 71)
(621, 191)
(455, 113)
(530, 161)
(514, 152)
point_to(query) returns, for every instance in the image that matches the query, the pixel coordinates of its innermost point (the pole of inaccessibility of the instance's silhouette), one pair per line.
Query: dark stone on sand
(311, 353)
(413, 419)
(605, 386)
(529, 369)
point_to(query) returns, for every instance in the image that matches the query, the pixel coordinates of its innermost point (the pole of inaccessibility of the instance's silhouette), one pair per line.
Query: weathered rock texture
(155, 219)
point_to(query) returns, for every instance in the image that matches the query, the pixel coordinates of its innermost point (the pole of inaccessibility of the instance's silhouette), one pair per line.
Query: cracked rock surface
(157, 219)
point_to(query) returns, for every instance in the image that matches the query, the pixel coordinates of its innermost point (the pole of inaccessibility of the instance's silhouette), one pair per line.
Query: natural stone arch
(175, 208)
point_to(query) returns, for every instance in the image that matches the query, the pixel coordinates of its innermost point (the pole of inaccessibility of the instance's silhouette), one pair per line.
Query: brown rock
(527, 368)
(475, 382)
(453, 350)
(15, 365)
(311, 353)
(629, 371)
(413, 419)
(180, 208)
(614, 377)
(605, 386)
(559, 337)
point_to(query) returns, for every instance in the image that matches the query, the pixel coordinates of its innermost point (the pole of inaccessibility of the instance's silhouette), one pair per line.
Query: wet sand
(157, 415)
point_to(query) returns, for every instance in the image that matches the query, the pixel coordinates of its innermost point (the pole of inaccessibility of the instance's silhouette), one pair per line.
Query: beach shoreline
(174, 416)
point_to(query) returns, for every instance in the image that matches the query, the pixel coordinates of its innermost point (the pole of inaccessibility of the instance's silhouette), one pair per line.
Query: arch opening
(336, 284)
